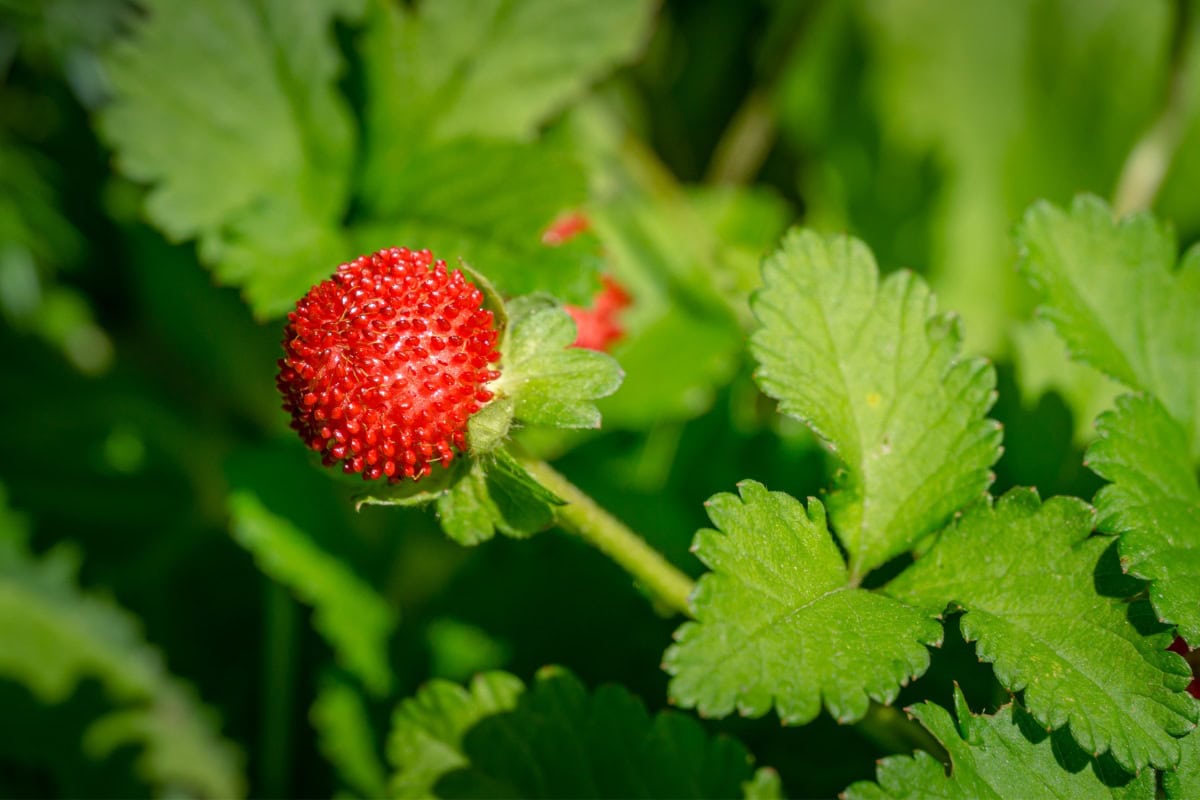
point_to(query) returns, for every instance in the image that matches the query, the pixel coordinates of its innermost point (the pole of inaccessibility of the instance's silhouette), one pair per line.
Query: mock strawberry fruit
(565, 228)
(598, 327)
(385, 362)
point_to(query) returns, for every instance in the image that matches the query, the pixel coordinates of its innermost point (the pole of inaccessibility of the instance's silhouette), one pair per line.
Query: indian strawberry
(598, 327)
(386, 361)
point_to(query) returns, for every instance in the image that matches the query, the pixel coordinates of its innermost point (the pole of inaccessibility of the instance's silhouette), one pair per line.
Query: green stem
(887, 727)
(587, 520)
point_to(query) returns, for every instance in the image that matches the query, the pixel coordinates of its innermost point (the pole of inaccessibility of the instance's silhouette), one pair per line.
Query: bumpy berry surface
(599, 327)
(385, 362)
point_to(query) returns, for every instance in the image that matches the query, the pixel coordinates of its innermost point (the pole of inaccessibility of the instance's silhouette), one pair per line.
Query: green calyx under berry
(386, 362)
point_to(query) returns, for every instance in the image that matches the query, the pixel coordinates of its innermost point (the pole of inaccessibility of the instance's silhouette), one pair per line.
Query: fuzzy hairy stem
(583, 517)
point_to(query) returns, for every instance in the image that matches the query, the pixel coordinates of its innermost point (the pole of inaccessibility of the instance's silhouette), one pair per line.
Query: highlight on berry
(386, 361)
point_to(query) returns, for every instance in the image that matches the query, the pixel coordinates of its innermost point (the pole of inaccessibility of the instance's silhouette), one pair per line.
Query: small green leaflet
(1153, 502)
(771, 620)
(342, 723)
(228, 109)
(428, 728)
(876, 374)
(348, 612)
(555, 739)
(1114, 294)
(56, 637)
(994, 757)
(551, 382)
(1026, 574)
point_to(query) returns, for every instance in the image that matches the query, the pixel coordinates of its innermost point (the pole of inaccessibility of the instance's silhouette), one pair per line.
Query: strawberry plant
(678, 399)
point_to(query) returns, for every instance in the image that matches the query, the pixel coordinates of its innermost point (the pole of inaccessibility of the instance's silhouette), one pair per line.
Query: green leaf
(344, 736)
(1113, 292)
(556, 739)
(876, 373)
(348, 612)
(428, 728)
(495, 494)
(1027, 575)
(551, 382)
(498, 68)
(771, 620)
(56, 637)
(485, 202)
(993, 757)
(1184, 782)
(228, 110)
(1153, 502)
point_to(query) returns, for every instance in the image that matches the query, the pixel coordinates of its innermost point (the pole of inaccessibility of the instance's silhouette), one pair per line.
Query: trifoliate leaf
(556, 739)
(228, 109)
(348, 612)
(1184, 782)
(428, 728)
(994, 757)
(551, 382)
(498, 68)
(344, 736)
(488, 203)
(1113, 292)
(771, 619)
(1026, 574)
(876, 373)
(1153, 502)
(55, 637)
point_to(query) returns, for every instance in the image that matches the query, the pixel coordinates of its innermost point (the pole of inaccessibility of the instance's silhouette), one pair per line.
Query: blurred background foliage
(188, 604)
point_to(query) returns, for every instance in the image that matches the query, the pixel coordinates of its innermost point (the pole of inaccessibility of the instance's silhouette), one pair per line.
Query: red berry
(565, 228)
(597, 327)
(385, 362)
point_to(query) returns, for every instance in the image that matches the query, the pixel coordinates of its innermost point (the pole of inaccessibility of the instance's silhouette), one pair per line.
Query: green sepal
(549, 381)
(414, 493)
(488, 427)
(493, 493)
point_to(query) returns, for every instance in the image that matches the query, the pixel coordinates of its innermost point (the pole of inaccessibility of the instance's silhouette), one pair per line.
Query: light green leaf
(344, 736)
(875, 372)
(1153, 502)
(428, 728)
(228, 110)
(56, 637)
(962, 129)
(1114, 294)
(488, 203)
(496, 68)
(1026, 574)
(995, 757)
(771, 627)
(348, 612)
(1184, 782)
(551, 382)
(556, 739)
